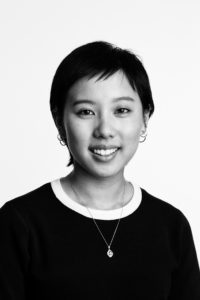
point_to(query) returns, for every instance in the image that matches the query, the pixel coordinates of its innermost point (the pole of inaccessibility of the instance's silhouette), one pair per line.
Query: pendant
(110, 252)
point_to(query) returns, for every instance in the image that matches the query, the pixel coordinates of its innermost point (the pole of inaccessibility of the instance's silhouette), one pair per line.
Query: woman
(93, 234)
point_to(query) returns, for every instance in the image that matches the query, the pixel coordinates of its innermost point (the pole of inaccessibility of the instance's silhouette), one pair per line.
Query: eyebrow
(83, 101)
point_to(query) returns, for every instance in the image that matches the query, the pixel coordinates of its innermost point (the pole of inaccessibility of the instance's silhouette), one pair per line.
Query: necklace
(110, 253)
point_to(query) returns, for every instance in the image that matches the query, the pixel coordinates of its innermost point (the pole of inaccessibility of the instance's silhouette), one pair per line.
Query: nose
(104, 128)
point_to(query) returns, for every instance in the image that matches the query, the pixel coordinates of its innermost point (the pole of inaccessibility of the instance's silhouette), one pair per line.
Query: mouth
(104, 154)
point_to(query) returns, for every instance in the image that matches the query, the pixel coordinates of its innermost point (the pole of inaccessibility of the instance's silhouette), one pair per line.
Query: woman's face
(103, 121)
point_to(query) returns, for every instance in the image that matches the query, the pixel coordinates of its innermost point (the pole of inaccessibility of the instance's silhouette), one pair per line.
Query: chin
(101, 168)
(103, 175)
(106, 170)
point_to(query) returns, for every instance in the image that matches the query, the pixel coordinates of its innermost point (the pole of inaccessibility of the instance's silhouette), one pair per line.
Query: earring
(143, 136)
(60, 140)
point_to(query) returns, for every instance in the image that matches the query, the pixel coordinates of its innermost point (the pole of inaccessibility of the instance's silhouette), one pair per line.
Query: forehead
(116, 85)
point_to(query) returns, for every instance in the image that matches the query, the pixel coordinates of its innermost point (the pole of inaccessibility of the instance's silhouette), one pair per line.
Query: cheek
(132, 131)
(131, 137)
(131, 142)
(76, 134)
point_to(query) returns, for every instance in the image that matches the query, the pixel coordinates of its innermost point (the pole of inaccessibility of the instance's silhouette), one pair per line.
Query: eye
(123, 110)
(85, 112)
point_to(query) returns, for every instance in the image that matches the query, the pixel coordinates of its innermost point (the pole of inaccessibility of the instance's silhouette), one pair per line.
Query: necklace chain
(109, 252)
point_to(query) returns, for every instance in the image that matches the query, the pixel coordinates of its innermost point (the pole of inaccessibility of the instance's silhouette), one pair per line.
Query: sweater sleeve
(13, 254)
(186, 277)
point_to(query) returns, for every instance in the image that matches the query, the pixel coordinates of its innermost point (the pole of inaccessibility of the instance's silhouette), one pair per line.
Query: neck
(99, 193)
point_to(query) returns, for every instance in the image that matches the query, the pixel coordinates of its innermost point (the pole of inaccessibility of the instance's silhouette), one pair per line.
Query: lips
(104, 151)
(103, 147)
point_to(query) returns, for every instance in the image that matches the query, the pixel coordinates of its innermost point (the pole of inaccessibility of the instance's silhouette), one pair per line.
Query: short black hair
(92, 59)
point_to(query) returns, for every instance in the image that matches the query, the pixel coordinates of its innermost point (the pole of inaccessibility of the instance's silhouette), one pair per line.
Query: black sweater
(48, 250)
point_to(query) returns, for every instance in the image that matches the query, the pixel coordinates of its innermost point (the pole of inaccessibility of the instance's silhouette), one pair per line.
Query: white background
(36, 35)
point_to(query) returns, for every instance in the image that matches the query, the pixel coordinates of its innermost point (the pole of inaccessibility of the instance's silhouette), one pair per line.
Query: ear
(145, 121)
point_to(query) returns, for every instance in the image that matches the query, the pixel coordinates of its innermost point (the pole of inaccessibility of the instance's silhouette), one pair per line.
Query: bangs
(104, 74)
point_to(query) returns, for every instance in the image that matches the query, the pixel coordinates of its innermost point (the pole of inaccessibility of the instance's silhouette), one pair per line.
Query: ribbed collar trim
(113, 214)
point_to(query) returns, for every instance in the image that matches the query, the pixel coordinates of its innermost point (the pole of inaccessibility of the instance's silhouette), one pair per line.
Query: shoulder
(167, 221)
(32, 200)
(164, 211)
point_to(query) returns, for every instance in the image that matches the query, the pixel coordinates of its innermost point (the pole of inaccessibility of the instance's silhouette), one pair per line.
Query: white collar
(98, 214)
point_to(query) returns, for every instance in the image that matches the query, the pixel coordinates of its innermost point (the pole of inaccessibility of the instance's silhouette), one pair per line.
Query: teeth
(105, 152)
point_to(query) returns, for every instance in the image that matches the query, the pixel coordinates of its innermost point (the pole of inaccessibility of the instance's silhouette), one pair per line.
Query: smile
(104, 155)
(103, 152)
